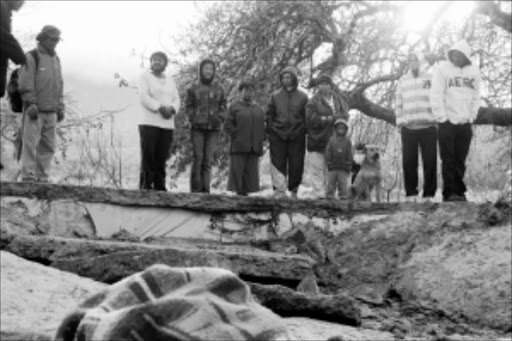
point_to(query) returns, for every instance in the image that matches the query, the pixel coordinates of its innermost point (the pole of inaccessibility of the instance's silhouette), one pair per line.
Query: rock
(308, 285)
(109, 261)
(35, 298)
(288, 303)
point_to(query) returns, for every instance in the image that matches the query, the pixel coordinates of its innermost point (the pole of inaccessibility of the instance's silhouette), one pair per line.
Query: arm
(437, 96)
(399, 105)
(312, 118)
(145, 99)
(328, 154)
(223, 105)
(475, 103)
(230, 124)
(271, 112)
(26, 81)
(176, 102)
(11, 48)
(62, 105)
(189, 104)
(349, 155)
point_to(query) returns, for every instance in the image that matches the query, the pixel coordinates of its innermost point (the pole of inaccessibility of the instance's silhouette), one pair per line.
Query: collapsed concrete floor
(429, 271)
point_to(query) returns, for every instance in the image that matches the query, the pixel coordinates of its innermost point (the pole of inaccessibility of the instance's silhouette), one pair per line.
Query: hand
(165, 112)
(32, 111)
(60, 116)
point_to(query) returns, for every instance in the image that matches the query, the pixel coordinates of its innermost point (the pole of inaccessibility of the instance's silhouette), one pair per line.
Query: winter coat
(205, 104)
(9, 46)
(320, 120)
(44, 86)
(155, 92)
(338, 153)
(412, 99)
(455, 91)
(245, 124)
(286, 112)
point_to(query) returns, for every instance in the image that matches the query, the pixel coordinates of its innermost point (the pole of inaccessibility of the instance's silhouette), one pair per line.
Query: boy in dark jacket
(206, 108)
(286, 129)
(338, 157)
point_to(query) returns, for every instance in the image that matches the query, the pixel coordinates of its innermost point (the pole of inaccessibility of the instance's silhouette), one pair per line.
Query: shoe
(411, 198)
(454, 198)
(294, 194)
(279, 195)
(427, 199)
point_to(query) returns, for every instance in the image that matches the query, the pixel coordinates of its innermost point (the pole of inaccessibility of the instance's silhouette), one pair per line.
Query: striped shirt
(412, 100)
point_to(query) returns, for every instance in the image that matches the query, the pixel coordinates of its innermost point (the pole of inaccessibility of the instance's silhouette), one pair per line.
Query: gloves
(60, 116)
(32, 111)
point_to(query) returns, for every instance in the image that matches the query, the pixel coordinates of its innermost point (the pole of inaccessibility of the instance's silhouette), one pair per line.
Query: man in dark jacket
(9, 46)
(286, 129)
(205, 106)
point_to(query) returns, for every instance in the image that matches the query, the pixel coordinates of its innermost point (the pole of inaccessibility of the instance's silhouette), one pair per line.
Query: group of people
(438, 108)
(431, 109)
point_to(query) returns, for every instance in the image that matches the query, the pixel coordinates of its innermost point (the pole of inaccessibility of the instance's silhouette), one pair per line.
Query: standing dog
(369, 177)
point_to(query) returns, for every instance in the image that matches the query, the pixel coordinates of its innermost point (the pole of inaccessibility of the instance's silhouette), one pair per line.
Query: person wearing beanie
(245, 124)
(206, 109)
(41, 87)
(455, 100)
(418, 129)
(160, 101)
(286, 131)
(322, 110)
(338, 157)
(10, 48)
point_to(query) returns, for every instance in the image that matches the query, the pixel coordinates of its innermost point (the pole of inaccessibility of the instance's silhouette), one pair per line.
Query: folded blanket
(165, 304)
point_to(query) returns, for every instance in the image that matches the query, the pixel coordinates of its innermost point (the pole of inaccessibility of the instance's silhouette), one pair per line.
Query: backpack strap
(35, 55)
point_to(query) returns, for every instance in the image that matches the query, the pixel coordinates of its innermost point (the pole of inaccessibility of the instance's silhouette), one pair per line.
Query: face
(341, 129)
(157, 64)
(413, 61)
(287, 80)
(324, 88)
(207, 71)
(457, 58)
(248, 94)
(50, 41)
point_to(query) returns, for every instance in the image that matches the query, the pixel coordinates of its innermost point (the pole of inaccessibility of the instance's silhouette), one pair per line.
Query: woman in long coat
(322, 110)
(245, 124)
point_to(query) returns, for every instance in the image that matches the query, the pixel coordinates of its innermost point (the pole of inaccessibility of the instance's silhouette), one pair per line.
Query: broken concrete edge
(86, 257)
(210, 203)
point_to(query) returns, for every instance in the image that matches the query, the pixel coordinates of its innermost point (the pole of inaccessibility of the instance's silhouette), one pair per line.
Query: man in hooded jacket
(205, 107)
(455, 100)
(417, 127)
(286, 129)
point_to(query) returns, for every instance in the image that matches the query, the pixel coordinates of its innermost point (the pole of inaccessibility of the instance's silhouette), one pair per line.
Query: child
(338, 157)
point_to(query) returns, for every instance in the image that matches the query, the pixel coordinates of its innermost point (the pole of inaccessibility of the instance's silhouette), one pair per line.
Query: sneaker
(279, 195)
(294, 195)
(411, 198)
(427, 199)
(454, 198)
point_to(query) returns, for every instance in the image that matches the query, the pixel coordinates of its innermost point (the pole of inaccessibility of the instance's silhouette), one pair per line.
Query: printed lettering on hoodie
(461, 82)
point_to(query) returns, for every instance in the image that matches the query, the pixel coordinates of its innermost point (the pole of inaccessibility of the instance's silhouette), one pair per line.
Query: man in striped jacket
(418, 128)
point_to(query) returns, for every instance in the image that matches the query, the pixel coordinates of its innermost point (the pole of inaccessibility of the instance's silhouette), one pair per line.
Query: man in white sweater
(160, 102)
(455, 100)
(417, 127)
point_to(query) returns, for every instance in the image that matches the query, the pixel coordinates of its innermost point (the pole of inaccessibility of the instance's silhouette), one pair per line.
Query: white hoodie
(455, 91)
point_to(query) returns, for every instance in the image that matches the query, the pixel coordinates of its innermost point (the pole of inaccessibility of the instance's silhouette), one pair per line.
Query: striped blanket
(164, 303)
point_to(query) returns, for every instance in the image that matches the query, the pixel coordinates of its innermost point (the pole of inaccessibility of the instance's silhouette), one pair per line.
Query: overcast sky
(98, 36)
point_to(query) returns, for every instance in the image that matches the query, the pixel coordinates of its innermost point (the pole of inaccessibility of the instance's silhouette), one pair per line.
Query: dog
(369, 177)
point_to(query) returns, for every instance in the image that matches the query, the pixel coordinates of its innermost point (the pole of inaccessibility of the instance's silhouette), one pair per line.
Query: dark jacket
(286, 112)
(9, 46)
(246, 126)
(320, 120)
(338, 153)
(205, 104)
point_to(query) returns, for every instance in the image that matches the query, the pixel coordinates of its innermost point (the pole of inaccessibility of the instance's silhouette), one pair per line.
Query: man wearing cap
(286, 130)
(417, 127)
(455, 100)
(322, 110)
(42, 91)
(9, 46)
